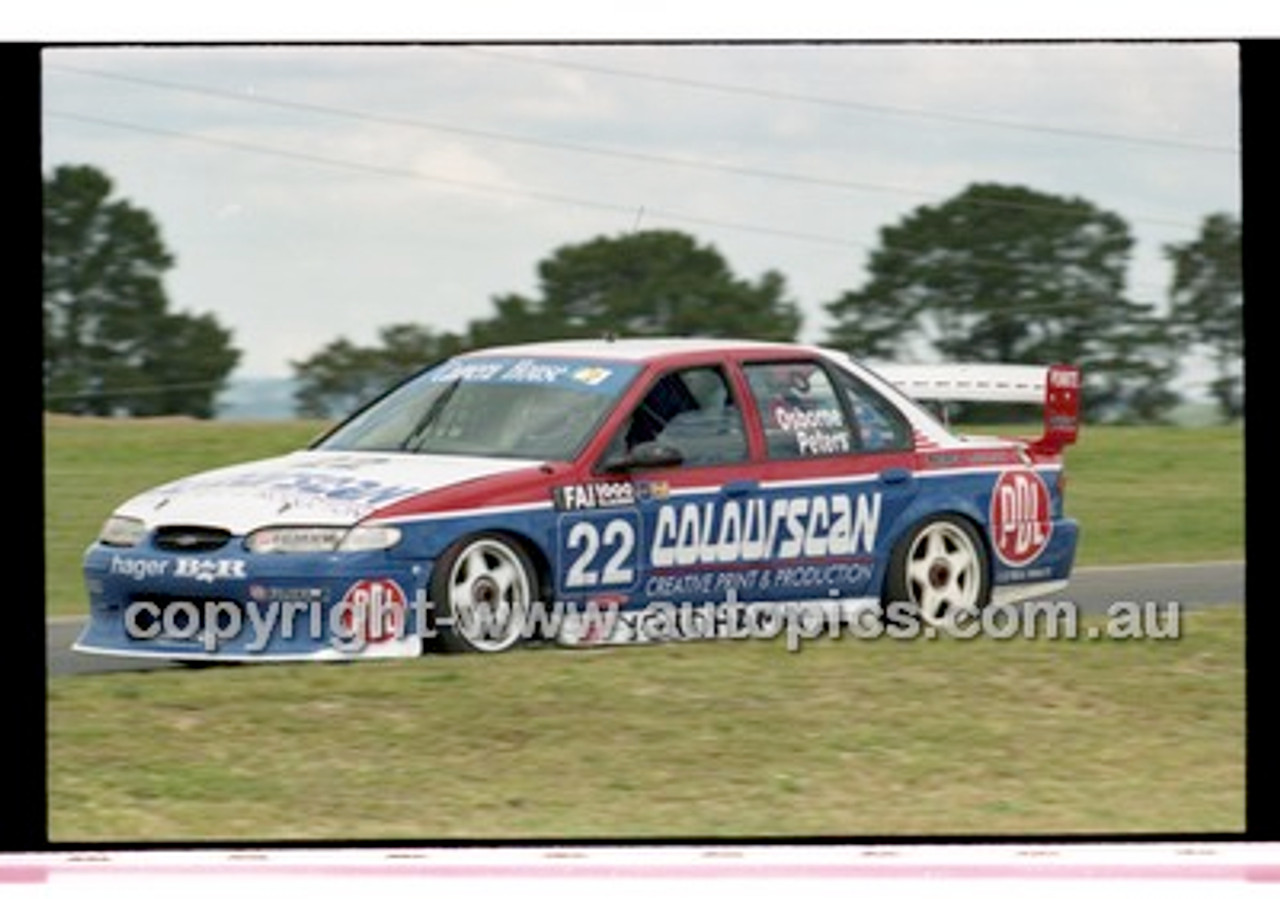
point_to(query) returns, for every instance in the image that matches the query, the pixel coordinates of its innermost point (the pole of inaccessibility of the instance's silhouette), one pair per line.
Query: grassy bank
(91, 465)
(1158, 494)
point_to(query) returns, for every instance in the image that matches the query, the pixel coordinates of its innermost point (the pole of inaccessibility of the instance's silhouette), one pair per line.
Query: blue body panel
(820, 539)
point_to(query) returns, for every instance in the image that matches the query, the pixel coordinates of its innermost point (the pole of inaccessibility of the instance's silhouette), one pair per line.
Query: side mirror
(649, 454)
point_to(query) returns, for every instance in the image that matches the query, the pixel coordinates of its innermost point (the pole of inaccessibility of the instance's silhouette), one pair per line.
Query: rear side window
(807, 411)
(878, 426)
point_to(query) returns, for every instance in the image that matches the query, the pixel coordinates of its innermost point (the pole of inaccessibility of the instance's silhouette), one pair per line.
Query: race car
(570, 491)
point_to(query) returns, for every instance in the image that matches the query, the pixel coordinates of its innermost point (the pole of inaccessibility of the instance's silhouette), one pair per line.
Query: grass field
(1158, 494)
(731, 739)
(845, 738)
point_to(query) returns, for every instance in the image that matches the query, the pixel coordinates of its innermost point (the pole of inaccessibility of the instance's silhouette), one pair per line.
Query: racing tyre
(939, 570)
(481, 591)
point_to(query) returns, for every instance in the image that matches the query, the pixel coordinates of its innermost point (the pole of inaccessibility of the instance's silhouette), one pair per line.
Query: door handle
(896, 475)
(740, 488)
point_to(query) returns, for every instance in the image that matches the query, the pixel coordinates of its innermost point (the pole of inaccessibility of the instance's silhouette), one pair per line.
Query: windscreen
(505, 406)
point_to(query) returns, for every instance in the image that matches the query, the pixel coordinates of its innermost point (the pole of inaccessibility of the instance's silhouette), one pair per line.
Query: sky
(312, 192)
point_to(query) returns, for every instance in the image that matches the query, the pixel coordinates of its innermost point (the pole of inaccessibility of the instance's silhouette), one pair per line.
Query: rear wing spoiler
(1055, 387)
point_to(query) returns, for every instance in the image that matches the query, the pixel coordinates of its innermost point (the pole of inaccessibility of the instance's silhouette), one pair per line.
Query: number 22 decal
(617, 539)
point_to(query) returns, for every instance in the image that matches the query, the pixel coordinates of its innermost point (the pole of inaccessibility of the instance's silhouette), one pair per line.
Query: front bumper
(231, 605)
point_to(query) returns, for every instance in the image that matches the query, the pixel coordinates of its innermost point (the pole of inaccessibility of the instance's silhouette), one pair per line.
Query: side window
(692, 410)
(879, 427)
(800, 410)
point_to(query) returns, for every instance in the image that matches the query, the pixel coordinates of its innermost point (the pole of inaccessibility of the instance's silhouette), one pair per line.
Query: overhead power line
(475, 186)
(464, 131)
(486, 188)
(858, 106)
(558, 145)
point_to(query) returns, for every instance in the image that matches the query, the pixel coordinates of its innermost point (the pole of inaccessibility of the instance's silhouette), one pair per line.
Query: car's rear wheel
(482, 590)
(939, 570)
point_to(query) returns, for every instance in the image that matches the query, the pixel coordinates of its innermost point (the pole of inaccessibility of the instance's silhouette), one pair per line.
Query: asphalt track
(1093, 590)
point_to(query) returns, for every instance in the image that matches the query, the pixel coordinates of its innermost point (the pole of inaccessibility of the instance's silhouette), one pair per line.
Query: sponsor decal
(755, 530)
(592, 376)
(1021, 575)
(653, 490)
(1062, 404)
(1064, 378)
(515, 370)
(375, 608)
(139, 569)
(345, 461)
(1020, 517)
(608, 494)
(532, 371)
(942, 460)
(597, 495)
(765, 542)
(827, 578)
(266, 593)
(209, 570)
(325, 486)
(461, 370)
(970, 458)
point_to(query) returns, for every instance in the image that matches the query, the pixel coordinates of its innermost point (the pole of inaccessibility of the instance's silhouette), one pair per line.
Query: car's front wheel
(939, 570)
(482, 590)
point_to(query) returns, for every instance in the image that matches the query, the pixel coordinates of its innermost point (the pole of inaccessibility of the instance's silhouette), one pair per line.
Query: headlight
(366, 537)
(120, 530)
(321, 539)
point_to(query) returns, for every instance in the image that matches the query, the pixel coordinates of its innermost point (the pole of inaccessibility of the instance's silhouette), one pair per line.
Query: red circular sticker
(380, 605)
(1020, 517)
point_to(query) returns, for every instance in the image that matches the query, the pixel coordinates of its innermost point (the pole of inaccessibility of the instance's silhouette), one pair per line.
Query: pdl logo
(1020, 522)
(376, 607)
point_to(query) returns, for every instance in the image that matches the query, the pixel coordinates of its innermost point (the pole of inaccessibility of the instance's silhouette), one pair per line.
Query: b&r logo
(1020, 517)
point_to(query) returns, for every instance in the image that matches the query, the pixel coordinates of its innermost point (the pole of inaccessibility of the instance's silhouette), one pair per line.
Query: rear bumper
(1048, 573)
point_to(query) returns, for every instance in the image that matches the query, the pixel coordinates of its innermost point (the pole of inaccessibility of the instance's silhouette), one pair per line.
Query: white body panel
(968, 382)
(306, 487)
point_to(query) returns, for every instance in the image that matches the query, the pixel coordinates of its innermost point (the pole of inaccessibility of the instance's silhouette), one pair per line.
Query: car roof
(636, 349)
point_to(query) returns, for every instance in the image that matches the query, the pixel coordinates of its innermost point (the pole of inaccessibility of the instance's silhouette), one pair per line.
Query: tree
(110, 343)
(649, 283)
(186, 365)
(341, 376)
(1207, 300)
(1005, 274)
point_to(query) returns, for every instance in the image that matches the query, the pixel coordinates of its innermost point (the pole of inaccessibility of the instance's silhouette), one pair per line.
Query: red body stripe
(537, 484)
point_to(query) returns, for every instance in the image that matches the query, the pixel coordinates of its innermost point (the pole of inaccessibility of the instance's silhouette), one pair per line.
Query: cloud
(314, 192)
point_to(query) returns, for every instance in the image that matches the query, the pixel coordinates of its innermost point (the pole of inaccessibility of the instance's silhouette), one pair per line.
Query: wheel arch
(511, 547)
(927, 508)
(536, 553)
